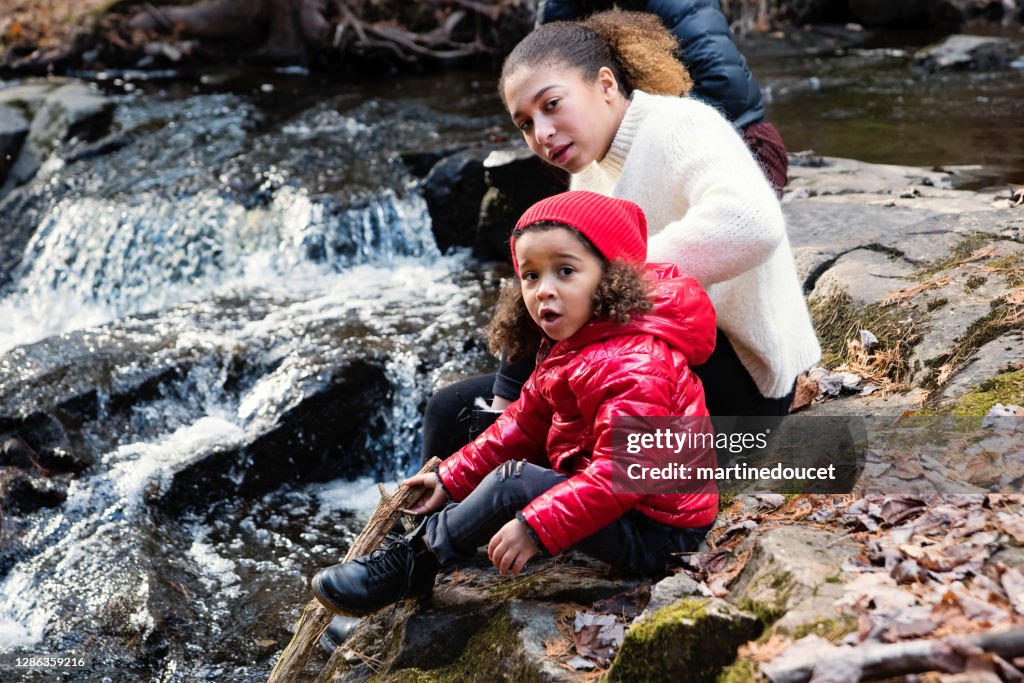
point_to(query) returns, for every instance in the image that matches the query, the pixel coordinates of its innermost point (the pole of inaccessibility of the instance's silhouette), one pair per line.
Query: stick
(315, 617)
(883, 660)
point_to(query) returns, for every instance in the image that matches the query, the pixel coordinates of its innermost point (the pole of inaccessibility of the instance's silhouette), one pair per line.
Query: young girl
(616, 342)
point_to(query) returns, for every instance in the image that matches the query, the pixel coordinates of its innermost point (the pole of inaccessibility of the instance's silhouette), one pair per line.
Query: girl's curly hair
(638, 49)
(621, 292)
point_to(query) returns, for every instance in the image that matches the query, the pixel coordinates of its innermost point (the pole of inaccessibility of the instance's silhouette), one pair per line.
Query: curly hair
(621, 292)
(635, 46)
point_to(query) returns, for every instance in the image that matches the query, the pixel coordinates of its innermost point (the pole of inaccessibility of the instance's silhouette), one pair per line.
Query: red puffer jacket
(563, 419)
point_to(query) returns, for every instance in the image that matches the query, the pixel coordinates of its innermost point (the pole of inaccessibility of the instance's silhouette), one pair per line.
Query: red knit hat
(617, 227)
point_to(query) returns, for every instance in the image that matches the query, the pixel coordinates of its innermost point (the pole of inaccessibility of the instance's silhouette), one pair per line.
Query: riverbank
(46, 36)
(199, 292)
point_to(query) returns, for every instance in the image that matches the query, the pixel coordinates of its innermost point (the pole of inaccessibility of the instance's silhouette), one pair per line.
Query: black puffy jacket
(720, 74)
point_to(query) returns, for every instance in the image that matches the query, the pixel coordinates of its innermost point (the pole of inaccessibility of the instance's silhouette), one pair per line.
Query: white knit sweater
(711, 211)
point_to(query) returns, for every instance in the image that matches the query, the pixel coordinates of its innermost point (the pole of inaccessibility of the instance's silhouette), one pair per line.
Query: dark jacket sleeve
(566, 10)
(721, 77)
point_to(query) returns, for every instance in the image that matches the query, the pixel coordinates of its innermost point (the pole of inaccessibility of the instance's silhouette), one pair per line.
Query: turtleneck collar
(636, 112)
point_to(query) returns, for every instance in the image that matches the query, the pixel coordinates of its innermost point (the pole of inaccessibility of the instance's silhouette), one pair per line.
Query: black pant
(451, 421)
(633, 543)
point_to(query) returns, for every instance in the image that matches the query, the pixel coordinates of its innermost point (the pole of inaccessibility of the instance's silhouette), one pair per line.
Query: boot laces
(398, 559)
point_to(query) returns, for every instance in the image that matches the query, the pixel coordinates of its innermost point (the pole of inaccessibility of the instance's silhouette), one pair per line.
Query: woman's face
(564, 119)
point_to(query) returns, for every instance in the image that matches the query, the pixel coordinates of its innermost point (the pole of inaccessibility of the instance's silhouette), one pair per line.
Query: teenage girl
(719, 71)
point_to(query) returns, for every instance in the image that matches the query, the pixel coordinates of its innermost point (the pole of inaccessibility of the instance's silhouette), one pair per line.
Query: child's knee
(513, 469)
(508, 485)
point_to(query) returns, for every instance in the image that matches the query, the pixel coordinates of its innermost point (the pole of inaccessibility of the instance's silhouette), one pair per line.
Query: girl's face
(559, 276)
(565, 120)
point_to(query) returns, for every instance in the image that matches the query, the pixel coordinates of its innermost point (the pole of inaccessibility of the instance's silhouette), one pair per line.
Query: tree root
(327, 30)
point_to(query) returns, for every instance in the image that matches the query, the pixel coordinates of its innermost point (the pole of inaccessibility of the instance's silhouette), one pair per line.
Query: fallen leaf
(876, 593)
(903, 295)
(597, 636)
(1012, 581)
(913, 628)
(1014, 526)
(1015, 297)
(627, 605)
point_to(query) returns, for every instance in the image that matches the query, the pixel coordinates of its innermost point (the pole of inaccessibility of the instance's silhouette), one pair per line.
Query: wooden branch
(885, 660)
(315, 617)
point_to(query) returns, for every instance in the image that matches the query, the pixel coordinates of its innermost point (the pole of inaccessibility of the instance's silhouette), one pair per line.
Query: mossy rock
(689, 640)
(1007, 388)
(740, 671)
(494, 654)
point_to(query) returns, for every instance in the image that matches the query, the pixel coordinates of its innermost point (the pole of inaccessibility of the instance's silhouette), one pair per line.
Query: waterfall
(92, 260)
(204, 297)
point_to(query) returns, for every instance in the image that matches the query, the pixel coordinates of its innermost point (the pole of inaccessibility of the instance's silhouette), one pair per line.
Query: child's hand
(511, 548)
(432, 500)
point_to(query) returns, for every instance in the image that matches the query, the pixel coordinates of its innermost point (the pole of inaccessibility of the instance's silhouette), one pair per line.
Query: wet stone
(963, 52)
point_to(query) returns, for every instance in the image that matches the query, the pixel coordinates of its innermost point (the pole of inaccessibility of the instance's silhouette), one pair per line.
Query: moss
(1010, 267)
(766, 612)
(936, 304)
(973, 282)
(781, 581)
(838, 320)
(1007, 388)
(832, 630)
(772, 590)
(492, 654)
(684, 636)
(506, 589)
(998, 321)
(957, 254)
(740, 671)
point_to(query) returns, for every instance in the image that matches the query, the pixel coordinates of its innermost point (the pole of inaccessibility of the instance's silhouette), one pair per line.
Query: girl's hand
(511, 548)
(432, 500)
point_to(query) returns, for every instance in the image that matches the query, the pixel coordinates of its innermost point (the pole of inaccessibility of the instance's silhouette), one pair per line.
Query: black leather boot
(404, 569)
(337, 632)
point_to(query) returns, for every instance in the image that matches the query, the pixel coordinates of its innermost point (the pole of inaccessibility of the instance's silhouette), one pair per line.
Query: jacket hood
(682, 316)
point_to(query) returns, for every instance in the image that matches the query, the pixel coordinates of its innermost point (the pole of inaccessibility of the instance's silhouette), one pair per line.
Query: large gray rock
(478, 624)
(696, 635)
(867, 275)
(976, 53)
(793, 577)
(453, 190)
(516, 179)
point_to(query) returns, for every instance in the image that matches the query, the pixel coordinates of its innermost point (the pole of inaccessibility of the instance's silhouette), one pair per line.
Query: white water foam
(95, 557)
(92, 261)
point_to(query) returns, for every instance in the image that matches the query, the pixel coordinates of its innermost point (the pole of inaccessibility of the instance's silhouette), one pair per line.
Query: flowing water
(198, 287)
(253, 245)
